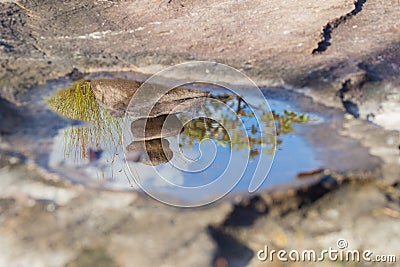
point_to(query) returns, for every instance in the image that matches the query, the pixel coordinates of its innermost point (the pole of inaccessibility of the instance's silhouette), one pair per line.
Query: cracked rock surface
(51, 222)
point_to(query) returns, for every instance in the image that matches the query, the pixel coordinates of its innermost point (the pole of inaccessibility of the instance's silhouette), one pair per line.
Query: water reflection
(149, 145)
(79, 102)
(151, 152)
(154, 128)
(166, 138)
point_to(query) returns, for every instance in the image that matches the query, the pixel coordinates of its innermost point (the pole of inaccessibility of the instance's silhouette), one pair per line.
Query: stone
(154, 152)
(116, 95)
(155, 128)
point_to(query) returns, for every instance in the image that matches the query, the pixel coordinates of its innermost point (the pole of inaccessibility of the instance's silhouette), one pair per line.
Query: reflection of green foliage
(202, 128)
(284, 122)
(78, 102)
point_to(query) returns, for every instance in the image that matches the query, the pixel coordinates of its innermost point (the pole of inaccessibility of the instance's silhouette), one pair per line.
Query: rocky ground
(341, 54)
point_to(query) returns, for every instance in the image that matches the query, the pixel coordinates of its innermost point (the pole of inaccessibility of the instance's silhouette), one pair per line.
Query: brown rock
(165, 107)
(114, 93)
(155, 128)
(154, 152)
(117, 93)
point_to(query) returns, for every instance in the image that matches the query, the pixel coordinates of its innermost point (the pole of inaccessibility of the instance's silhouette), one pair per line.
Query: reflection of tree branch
(238, 106)
(283, 123)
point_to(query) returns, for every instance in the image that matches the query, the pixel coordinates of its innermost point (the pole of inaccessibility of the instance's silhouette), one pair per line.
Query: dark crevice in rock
(370, 74)
(350, 106)
(358, 5)
(308, 196)
(332, 25)
(248, 211)
(350, 93)
(6, 47)
(230, 251)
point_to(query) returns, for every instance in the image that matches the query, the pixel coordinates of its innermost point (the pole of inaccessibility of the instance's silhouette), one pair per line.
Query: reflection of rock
(154, 128)
(148, 135)
(154, 152)
(116, 94)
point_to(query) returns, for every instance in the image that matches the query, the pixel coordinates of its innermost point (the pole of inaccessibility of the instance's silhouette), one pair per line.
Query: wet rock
(166, 107)
(317, 223)
(154, 152)
(144, 234)
(148, 138)
(99, 228)
(155, 128)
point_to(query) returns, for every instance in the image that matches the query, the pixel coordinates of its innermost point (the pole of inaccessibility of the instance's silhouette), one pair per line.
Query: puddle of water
(108, 149)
